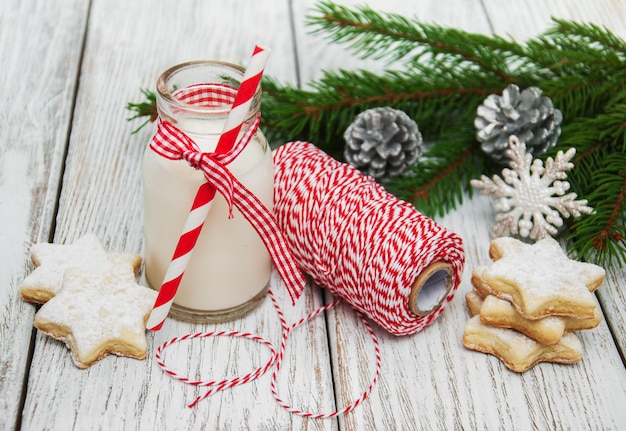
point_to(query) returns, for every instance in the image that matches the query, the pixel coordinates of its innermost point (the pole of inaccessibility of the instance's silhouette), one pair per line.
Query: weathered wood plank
(102, 193)
(40, 47)
(612, 297)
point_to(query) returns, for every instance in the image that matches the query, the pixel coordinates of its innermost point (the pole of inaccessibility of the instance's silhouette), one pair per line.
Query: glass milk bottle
(229, 269)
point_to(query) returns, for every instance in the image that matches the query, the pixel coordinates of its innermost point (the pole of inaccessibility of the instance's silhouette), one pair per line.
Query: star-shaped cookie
(96, 314)
(547, 330)
(539, 279)
(517, 351)
(52, 260)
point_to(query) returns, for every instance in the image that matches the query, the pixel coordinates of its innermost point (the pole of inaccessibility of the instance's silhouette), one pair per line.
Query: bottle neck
(197, 96)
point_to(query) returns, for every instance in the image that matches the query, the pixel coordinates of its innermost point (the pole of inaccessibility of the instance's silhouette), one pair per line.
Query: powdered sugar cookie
(539, 279)
(97, 314)
(51, 261)
(574, 324)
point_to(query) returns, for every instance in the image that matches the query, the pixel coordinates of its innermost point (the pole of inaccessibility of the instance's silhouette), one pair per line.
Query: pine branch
(599, 175)
(436, 184)
(376, 35)
(322, 114)
(146, 108)
(592, 35)
(577, 96)
(606, 227)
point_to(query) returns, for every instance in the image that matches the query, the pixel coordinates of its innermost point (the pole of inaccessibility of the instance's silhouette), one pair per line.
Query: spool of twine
(350, 235)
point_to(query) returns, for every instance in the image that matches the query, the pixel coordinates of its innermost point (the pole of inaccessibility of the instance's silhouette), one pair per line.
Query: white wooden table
(69, 165)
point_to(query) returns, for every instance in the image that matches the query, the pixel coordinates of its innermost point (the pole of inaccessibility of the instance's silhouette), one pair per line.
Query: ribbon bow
(171, 143)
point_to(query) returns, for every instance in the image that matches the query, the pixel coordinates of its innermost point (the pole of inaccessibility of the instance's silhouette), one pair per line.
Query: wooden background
(70, 165)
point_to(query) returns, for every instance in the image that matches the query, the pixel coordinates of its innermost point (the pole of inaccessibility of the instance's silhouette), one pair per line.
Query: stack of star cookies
(529, 301)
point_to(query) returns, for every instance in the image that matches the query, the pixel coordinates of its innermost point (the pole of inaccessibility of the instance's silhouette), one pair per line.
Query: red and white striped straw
(206, 192)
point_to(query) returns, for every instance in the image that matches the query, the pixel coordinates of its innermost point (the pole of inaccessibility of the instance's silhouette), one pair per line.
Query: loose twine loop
(276, 360)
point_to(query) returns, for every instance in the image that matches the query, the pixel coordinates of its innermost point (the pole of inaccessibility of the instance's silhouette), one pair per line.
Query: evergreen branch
(570, 46)
(600, 236)
(421, 193)
(372, 34)
(322, 114)
(599, 175)
(610, 231)
(567, 92)
(604, 132)
(147, 108)
(444, 171)
(591, 34)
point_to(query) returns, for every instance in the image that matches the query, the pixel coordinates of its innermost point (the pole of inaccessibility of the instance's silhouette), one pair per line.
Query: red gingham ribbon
(173, 144)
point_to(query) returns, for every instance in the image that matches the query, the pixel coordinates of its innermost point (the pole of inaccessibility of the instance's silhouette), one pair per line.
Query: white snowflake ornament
(530, 197)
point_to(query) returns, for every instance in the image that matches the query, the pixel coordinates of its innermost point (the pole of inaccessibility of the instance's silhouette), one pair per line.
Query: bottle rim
(166, 94)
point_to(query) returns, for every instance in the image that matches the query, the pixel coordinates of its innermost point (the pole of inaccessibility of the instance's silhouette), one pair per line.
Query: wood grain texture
(428, 380)
(40, 45)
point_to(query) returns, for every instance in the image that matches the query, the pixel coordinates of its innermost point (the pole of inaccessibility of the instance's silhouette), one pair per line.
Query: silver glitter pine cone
(526, 114)
(382, 142)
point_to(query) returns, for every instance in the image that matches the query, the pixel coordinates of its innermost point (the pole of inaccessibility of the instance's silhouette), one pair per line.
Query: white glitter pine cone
(526, 114)
(382, 142)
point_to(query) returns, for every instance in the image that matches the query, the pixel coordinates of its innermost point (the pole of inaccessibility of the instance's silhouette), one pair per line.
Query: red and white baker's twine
(276, 359)
(171, 143)
(357, 240)
(353, 404)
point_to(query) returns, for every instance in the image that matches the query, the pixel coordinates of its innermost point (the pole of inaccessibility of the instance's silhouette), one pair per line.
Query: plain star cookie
(97, 314)
(540, 280)
(547, 330)
(517, 351)
(52, 260)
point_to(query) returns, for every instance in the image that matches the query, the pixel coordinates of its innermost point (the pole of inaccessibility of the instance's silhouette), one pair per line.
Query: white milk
(230, 267)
